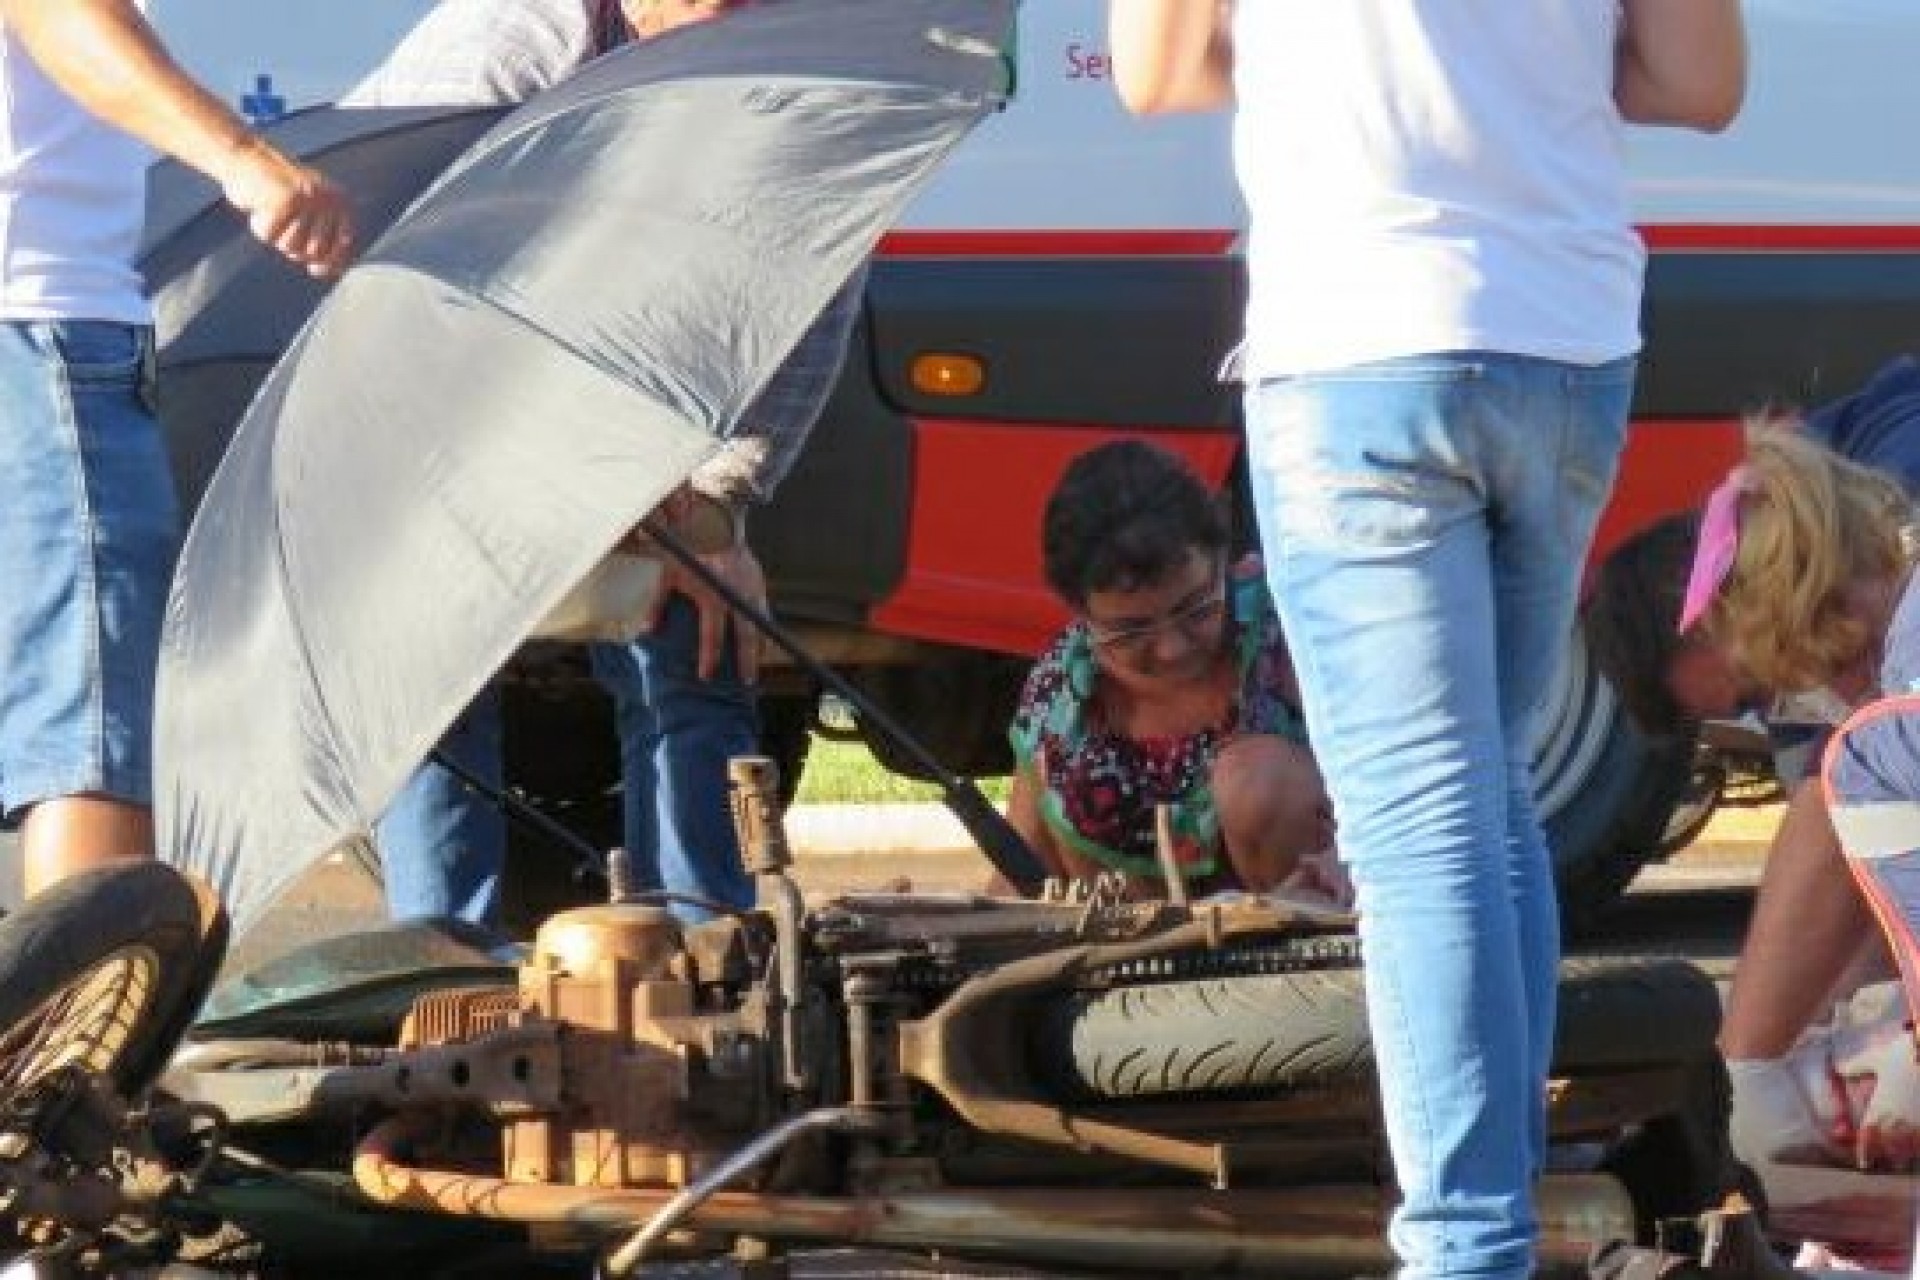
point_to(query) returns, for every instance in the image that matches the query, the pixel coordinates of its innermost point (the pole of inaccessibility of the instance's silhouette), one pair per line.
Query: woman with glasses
(1173, 687)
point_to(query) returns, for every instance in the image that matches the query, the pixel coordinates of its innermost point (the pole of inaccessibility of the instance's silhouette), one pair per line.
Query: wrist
(710, 523)
(237, 155)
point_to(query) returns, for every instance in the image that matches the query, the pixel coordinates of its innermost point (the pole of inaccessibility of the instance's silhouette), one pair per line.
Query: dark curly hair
(1124, 516)
(1632, 620)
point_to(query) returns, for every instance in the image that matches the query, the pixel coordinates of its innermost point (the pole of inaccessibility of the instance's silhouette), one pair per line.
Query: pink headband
(1718, 547)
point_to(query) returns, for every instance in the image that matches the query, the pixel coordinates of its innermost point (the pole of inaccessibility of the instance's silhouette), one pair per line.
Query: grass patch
(847, 773)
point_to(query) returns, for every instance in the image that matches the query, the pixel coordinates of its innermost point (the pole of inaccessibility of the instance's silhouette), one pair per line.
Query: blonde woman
(1801, 579)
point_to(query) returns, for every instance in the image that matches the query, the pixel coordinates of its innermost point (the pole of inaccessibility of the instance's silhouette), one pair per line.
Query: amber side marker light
(943, 373)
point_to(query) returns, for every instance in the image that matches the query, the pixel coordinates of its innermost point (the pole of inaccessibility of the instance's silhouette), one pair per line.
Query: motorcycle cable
(621, 1263)
(588, 860)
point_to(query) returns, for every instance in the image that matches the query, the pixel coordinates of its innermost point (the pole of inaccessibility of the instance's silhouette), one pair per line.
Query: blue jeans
(442, 847)
(89, 530)
(677, 733)
(1425, 521)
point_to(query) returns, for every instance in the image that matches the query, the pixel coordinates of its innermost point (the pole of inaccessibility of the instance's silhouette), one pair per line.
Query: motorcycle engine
(661, 1041)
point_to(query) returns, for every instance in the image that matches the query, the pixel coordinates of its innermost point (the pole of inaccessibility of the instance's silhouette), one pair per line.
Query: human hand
(297, 211)
(1882, 1082)
(739, 569)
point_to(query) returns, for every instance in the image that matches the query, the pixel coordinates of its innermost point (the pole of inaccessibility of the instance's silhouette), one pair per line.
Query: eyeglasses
(1193, 620)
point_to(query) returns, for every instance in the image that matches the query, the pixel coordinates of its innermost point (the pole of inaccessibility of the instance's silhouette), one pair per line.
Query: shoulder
(475, 52)
(1254, 613)
(1056, 689)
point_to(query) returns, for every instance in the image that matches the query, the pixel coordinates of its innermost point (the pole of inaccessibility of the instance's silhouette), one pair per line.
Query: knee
(1272, 803)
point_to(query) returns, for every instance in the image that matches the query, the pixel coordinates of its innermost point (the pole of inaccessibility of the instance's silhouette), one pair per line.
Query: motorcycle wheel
(103, 972)
(1306, 1027)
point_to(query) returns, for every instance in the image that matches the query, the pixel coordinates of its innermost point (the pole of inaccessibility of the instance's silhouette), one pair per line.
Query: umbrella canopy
(542, 347)
(226, 306)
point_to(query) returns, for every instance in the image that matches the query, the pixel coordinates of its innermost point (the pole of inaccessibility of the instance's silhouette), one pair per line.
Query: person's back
(1433, 177)
(1877, 425)
(489, 52)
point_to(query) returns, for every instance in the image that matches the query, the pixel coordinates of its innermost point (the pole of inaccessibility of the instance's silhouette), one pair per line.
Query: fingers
(1893, 1144)
(746, 652)
(713, 630)
(740, 571)
(752, 582)
(297, 211)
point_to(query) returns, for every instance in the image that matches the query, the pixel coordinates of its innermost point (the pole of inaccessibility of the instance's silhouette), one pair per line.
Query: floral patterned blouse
(1099, 790)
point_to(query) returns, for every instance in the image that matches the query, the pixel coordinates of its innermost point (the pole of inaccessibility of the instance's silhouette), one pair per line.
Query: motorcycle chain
(929, 974)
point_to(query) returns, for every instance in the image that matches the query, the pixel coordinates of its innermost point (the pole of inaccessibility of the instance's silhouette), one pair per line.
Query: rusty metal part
(969, 1050)
(754, 791)
(621, 1262)
(507, 1072)
(614, 976)
(1309, 1232)
(632, 942)
(462, 1013)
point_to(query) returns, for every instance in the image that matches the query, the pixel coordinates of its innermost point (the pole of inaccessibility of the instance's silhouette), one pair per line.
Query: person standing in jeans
(90, 526)
(683, 693)
(1439, 358)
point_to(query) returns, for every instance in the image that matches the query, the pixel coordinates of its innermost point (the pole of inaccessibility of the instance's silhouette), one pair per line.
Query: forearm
(1171, 55)
(1023, 814)
(1681, 64)
(105, 55)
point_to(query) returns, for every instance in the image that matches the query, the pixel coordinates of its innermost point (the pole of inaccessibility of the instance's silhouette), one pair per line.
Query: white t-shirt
(1433, 175)
(72, 199)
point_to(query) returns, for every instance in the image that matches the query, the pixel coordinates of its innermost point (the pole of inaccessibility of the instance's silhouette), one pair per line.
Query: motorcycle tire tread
(59, 936)
(1260, 1033)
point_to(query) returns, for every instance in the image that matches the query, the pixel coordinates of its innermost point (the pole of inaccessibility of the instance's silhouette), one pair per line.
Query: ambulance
(1086, 263)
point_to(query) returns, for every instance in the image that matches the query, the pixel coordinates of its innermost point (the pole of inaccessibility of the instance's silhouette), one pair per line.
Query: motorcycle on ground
(1075, 1082)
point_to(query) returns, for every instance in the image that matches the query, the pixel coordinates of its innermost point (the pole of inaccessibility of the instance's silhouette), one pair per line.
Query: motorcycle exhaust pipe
(1330, 1232)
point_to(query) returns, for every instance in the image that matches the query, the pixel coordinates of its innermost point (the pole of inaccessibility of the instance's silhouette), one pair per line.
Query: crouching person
(1172, 686)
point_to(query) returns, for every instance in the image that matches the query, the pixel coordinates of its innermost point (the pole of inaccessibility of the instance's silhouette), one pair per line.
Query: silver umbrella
(537, 351)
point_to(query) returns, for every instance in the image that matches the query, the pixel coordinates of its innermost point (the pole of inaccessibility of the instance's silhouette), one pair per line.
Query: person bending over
(1811, 940)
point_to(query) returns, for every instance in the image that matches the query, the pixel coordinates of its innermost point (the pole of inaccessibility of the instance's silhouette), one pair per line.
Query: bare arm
(1023, 814)
(105, 55)
(1682, 64)
(1172, 55)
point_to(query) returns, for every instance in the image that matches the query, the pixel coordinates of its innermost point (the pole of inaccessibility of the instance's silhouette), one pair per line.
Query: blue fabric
(442, 847)
(1425, 520)
(677, 733)
(88, 535)
(1879, 758)
(1878, 425)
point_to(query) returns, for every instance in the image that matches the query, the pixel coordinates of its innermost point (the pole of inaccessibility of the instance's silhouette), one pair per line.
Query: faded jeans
(1425, 521)
(88, 534)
